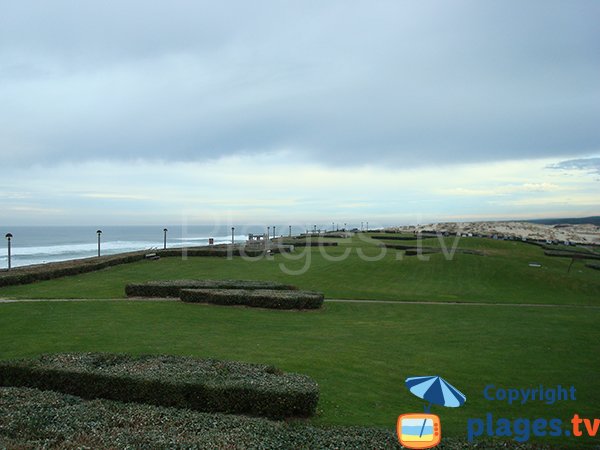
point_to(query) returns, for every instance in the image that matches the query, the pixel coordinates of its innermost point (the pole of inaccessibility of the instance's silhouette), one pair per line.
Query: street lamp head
(8, 236)
(165, 230)
(98, 231)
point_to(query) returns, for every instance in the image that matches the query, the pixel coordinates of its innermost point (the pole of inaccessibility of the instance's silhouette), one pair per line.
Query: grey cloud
(339, 82)
(591, 165)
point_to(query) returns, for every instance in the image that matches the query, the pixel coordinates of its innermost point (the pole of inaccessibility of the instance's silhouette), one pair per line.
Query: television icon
(419, 430)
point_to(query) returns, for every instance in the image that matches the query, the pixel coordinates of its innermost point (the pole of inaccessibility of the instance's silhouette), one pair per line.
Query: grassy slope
(501, 276)
(360, 354)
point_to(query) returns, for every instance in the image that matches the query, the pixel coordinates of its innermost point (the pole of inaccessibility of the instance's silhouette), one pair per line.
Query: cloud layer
(335, 83)
(266, 190)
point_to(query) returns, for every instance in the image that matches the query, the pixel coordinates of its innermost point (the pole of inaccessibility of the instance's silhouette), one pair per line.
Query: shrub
(422, 251)
(315, 242)
(172, 288)
(223, 251)
(396, 238)
(260, 298)
(39, 272)
(400, 246)
(411, 250)
(43, 419)
(593, 266)
(571, 254)
(200, 384)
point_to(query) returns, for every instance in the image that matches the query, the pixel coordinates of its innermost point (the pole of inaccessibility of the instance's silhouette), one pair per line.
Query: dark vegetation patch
(260, 298)
(200, 384)
(39, 272)
(30, 418)
(172, 288)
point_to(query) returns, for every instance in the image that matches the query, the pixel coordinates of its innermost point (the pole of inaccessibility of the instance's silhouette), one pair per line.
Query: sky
(394, 112)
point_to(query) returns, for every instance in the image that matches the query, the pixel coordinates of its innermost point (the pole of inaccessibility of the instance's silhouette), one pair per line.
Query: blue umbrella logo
(436, 391)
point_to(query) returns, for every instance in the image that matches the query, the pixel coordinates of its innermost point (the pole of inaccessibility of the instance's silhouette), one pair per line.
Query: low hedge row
(403, 246)
(40, 272)
(593, 266)
(43, 419)
(422, 251)
(199, 384)
(411, 250)
(172, 288)
(396, 238)
(571, 254)
(222, 251)
(310, 243)
(261, 298)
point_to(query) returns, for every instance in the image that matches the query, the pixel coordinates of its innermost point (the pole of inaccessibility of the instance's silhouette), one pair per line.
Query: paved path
(520, 305)
(36, 300)
(328, 300)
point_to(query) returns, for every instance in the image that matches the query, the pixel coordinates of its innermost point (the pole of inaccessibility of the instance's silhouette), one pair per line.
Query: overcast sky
(395, 111)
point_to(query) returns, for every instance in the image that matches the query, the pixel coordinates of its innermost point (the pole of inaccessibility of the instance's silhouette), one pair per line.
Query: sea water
(43, 244)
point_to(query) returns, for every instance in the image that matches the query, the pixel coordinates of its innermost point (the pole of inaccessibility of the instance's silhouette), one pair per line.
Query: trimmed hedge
(571, 254)
(40, 272)
(260, 298)
(200, 384)
(411, 250)
(423, 251)
(172, 288)
(222, 251)
(396, 238)
(593, 266)
(310, 243)
(43, 419)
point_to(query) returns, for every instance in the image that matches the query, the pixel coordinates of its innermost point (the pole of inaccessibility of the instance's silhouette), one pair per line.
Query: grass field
(359, 353)
(502, 276)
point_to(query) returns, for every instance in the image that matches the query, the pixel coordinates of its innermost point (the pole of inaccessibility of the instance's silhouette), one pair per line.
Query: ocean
(39, 244)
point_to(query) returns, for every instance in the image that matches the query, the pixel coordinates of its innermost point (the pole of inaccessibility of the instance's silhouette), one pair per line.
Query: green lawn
(503, 275)
(359, 354)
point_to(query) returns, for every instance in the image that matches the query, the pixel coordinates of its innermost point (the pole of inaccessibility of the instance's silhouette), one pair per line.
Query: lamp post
(268, 233)
(290, 231)
(314, 229)
(344, 226)
(274, 234)
(165, 238)
(232, 235)
(8, 237)
(99, 233)
(367, 227)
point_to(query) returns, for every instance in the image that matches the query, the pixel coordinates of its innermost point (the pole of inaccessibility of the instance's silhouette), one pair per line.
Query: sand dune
(580, 234)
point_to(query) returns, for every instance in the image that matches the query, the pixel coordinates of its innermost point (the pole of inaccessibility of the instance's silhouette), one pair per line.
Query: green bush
(200, 384)
(260, 298)
(421, 251)
(222, 251)
(571, 254)
(31, 274)
(43, 419)
(396, 238)
(172, 288)
(309, 243)
(411, 250)
(593, 266)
